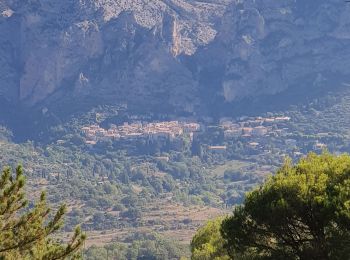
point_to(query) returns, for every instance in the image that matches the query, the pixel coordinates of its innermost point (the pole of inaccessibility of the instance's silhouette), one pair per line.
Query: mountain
(169, 55)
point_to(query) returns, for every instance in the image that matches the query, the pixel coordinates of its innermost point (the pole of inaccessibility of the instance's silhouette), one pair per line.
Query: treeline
(139, 246)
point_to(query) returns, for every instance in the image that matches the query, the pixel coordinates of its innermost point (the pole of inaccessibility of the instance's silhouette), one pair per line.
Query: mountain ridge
(173, 55)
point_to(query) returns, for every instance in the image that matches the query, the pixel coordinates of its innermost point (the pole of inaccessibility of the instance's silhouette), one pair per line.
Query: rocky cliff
(181, 55)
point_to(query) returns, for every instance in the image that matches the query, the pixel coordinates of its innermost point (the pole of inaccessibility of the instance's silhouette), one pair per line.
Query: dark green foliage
(132, 213)
(139, 246)
(303, 212)
(27, 233)
(236, 176)
(208, 244)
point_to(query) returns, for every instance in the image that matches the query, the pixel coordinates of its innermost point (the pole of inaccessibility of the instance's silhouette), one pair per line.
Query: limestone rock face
(265, 47)
(180, 55)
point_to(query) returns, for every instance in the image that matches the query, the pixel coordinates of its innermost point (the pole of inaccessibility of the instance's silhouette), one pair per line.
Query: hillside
(117, 188)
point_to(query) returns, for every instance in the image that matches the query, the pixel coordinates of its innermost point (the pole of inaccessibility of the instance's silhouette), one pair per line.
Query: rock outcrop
(180, 55)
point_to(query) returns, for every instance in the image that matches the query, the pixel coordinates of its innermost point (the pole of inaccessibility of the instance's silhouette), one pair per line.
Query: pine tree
(302, 212)
(27, 233)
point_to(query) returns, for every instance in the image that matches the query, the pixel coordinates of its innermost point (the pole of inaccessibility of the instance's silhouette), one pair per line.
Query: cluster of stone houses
(254, 133)
(152, 131)
(251, 127)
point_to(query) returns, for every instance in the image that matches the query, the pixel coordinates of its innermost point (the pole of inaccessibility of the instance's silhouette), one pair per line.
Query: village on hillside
(257, 134)
(167, 130)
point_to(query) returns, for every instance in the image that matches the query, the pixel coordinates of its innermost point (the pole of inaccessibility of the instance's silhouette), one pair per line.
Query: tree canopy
(26, 232)
(208, 243)
(302, 212)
